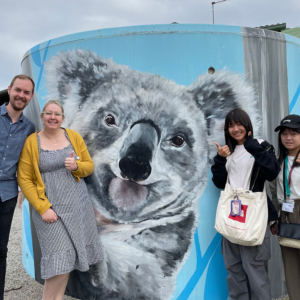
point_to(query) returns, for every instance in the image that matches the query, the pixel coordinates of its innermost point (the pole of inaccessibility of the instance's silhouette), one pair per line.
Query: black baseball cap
(290, 121)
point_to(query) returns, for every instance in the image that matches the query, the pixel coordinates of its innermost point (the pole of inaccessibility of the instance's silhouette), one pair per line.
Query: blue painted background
(293, 52)
(27, 250)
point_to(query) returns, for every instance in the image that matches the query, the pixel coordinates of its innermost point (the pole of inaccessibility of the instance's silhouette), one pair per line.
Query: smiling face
(237, 131)
(20, 93)
(291, 140)
(52, 117)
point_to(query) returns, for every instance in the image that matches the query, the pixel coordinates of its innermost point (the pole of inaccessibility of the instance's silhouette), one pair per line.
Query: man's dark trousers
(7, 209)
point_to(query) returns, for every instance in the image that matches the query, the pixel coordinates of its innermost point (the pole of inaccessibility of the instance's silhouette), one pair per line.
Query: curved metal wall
(168, 248)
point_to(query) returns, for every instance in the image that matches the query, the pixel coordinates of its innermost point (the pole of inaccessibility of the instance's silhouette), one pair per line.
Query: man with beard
(14, 129)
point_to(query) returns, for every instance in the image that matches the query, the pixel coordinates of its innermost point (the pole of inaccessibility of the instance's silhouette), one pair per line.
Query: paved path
(16, 276)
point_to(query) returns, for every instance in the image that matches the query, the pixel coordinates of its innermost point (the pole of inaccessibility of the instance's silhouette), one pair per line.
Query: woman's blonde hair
(57, 102)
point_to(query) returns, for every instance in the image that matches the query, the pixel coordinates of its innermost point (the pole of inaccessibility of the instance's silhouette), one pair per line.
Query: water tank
(183, 78)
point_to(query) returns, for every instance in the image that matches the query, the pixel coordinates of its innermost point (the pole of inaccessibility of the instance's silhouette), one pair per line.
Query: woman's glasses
(50, 114)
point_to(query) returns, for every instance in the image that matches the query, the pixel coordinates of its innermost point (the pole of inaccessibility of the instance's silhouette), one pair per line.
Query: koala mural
(152, 142)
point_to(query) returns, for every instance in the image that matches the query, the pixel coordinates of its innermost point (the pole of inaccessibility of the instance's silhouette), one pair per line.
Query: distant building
(281, 27)
(274, 27)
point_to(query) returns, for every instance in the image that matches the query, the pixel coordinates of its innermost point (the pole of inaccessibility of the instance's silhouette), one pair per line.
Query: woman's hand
(274, 229)
(49, 216)
(298, 159)
(223, 151)
(70, 162)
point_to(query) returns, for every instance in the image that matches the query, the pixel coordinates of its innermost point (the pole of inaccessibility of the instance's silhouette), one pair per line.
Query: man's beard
(16, 108)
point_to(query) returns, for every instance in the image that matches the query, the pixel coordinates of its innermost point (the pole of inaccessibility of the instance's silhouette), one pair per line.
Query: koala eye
(177, 141)
(110, 120)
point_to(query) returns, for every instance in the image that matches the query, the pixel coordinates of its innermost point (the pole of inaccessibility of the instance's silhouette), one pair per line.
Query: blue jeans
(7, 209)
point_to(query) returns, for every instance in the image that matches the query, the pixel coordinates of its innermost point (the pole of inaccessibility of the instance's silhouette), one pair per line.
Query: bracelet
(76, 168)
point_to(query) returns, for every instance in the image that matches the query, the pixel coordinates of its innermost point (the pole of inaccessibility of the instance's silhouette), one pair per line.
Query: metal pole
(213, 10)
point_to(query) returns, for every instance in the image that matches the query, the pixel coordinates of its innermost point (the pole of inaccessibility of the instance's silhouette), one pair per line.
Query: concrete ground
(19, 285)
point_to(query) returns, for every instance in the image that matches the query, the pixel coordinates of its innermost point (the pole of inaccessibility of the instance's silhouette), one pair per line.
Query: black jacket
(265, 168)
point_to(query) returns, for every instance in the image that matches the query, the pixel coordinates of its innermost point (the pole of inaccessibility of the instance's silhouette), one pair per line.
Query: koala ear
(75, 75)
(216, 95)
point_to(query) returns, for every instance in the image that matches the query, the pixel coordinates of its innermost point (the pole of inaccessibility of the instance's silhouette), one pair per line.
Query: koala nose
(136, 164)
(138, 150)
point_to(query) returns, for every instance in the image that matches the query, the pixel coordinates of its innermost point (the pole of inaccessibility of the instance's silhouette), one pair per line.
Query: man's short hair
(23, 77)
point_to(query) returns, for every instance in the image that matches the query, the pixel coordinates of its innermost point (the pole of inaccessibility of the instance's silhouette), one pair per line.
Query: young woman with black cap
(252, 163)
(286, 197)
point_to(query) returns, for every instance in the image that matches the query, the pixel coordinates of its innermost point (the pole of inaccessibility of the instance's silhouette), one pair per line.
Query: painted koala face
(150, 138)
(145, 152)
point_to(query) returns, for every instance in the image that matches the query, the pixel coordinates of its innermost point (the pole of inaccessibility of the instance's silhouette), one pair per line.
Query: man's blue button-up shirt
(12, 139)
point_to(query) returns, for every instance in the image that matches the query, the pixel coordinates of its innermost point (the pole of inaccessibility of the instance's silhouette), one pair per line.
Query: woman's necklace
(54, 143)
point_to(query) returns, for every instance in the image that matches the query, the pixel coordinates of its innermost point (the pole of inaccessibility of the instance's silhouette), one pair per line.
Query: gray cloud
(24, 24)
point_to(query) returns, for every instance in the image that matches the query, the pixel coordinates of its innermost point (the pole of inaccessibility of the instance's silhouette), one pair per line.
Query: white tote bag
(249, 228)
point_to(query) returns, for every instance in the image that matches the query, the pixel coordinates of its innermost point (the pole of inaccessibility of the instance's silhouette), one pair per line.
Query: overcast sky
(24, 24)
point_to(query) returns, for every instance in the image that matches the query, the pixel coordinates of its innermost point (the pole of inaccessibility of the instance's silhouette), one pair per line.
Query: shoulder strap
(229, 166)
(284, 191)
(283, 180)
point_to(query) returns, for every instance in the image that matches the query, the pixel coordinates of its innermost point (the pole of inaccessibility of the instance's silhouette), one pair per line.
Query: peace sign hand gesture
(223, 151)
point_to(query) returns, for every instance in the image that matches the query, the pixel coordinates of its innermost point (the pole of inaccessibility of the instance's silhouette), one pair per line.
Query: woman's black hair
(236, 115)
(282, 151)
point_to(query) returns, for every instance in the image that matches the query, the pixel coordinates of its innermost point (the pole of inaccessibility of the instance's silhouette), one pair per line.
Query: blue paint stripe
(202, 263)
(35, 53)
(27, 229)
(42, 66)
(294, 100)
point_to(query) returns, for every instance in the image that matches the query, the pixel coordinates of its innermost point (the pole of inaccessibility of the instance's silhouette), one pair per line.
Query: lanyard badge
(236, 205)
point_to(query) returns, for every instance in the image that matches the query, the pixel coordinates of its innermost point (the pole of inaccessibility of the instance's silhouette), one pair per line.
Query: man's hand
(49, 216)
(223, 151)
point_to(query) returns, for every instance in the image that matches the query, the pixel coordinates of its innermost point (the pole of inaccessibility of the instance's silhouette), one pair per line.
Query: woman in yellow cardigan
(51, 164)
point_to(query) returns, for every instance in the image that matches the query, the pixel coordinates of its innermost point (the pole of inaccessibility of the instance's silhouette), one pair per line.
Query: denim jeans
(7, 209)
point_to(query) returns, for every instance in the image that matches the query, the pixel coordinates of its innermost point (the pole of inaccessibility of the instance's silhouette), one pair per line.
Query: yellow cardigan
(29, 176)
